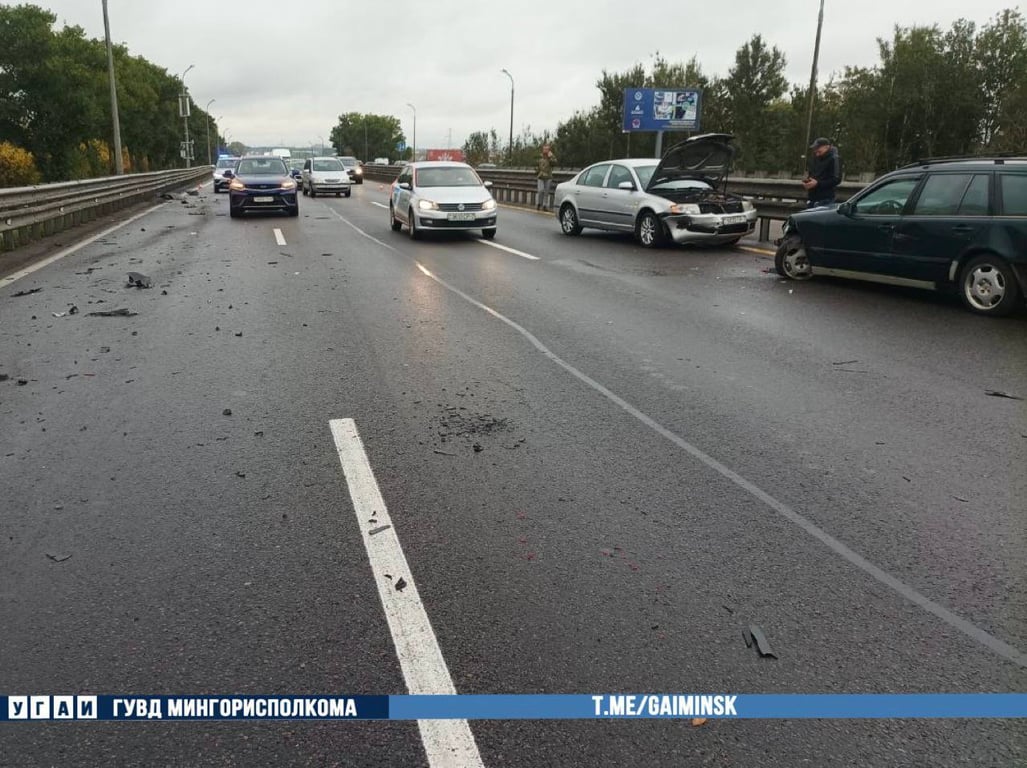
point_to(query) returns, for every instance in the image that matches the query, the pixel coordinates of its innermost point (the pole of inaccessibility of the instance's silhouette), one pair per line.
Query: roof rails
(998, 159)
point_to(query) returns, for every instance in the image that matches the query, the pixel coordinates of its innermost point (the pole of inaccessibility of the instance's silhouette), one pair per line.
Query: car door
(860, 239)
(619, 205)
(400, 196)
(590, 195)
(950, 213)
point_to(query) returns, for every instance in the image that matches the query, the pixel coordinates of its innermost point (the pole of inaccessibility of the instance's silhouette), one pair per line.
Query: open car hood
(706, 157)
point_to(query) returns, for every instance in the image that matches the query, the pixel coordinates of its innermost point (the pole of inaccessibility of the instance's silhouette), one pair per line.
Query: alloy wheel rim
(985, 287)
(567, 219)
(647, 230)
(796, 263)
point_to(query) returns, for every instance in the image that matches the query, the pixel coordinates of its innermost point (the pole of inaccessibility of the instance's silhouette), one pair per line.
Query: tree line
(933, 93)
(55, 114)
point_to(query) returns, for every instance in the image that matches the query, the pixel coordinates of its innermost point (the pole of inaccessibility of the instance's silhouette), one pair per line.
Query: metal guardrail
(29, 213)
(775, 199)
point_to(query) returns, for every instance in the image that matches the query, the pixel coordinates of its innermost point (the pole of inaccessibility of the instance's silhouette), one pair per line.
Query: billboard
(659, 109)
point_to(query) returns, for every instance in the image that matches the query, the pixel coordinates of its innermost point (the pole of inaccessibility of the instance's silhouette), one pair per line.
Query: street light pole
(183, 108)
(813, 81)
(510, 147)
(206, 109)
(322, 144)
(413, 155)
(119, 162)
(365, 137)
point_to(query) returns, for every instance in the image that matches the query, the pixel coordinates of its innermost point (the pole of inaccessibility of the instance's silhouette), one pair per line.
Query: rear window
(1014, 194)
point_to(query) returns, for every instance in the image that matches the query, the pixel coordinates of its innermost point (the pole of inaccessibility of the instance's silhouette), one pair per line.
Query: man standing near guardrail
(824, 175)
(544, 174)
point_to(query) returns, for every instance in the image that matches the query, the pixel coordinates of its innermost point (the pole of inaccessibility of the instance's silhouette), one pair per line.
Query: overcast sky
(282, 72)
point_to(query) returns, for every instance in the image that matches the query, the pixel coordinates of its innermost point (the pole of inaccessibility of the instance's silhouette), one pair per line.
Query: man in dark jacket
(825, 174)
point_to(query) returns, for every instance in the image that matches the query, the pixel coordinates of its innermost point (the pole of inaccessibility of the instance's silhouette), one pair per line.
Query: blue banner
(658, 109)
(49, 708)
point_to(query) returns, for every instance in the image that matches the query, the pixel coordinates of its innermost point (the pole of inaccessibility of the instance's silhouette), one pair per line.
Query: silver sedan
(679, 198)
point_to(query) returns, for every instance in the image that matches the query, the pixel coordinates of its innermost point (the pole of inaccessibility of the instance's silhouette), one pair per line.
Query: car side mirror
(488, 184)
(404, 185)
(294, 174)
(845, 209)
(628, 185)
(229, 174)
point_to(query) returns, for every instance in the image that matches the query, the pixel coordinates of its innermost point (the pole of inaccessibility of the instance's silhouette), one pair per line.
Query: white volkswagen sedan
(441, 196)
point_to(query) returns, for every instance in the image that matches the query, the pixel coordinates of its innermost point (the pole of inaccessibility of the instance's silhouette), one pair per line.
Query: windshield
(227, 162)
(327, 165)
(348, 161)
(457, 176)
(262, 166)
(644, 172)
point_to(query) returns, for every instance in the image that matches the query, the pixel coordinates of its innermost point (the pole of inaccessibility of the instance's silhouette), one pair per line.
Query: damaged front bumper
(710, 228)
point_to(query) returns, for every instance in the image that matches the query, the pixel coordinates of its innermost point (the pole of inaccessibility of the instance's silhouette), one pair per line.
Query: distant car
(677, 199)
(223, 164)
(945, 225)
(486, 166)
(354, 168)
(325, 176)
(262, 183)
(441, 196)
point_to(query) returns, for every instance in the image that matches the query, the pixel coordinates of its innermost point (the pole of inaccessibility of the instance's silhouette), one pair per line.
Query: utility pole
(510, 145)
(119, 161)
(207, 110)
(183, 111)
(813, 83)
(413, 154)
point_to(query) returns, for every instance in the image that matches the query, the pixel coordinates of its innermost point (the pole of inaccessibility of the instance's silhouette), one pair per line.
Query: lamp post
(119, 162)
(206, 109)
(365, 138)
(183, 111)
(413, 154)
(322, 144)
(813, 81)
(510, 148)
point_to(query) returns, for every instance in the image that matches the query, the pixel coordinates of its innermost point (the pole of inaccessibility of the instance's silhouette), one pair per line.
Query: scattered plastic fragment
(444, 453)
(58, 558)
(996, 393)
(697, 721)
(762, 644)
(965, 501)
(114, 313)
(29, 292)
(226, 412)
(401, 584)
(73, 310)
(4, 376)
(240, 474)
(378, 530)
(138, 280)
(59, 314)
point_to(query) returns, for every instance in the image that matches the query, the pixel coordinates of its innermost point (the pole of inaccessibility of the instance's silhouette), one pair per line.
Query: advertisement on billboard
(658, 109)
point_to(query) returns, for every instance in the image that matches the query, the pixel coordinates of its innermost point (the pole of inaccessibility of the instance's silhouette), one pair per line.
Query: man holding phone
(824, 175)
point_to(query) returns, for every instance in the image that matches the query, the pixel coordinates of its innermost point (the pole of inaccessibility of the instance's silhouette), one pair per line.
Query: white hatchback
(441, 196)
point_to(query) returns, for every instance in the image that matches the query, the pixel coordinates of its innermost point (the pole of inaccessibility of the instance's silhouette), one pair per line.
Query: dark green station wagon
(949, 224)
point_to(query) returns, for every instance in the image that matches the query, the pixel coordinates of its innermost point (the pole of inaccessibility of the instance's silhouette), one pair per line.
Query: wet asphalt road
(598, 500)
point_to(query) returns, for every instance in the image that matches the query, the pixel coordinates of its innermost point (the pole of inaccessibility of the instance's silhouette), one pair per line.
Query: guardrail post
(764, 229)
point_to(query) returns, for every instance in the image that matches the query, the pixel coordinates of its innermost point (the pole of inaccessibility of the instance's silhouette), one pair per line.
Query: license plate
(734, 219)
(462, 217)
(263, 199)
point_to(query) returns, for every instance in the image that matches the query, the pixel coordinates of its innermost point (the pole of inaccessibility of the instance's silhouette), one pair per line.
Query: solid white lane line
(514, 251)
(448, 743)
(71, 249)
(279, 237)
(380, 205)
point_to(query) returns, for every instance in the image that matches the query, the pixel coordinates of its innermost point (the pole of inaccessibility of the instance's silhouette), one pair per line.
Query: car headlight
(689, 209)
(237, 185)
(488, 205)
(289, 184)
(748, 206)
(426, 205)
(358, 171)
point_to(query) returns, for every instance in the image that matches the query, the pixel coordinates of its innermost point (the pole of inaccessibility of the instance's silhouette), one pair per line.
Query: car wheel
(988, 286)
(295, 211)
(569, 220)
(393, 221)
(233, 212)
(488, 234)
(349, 192)
(649, 230)
(313, 192)
(415, 233)
(791, 260)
